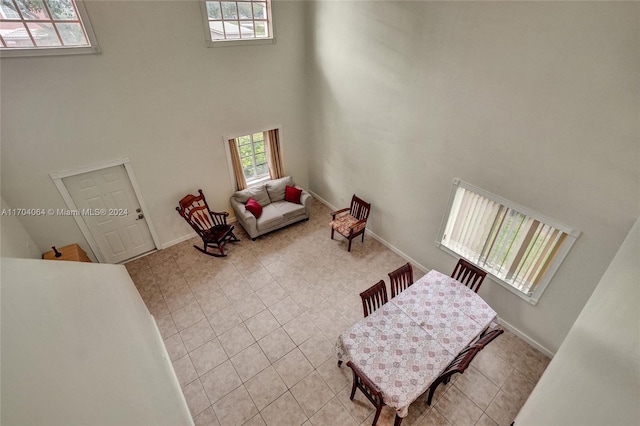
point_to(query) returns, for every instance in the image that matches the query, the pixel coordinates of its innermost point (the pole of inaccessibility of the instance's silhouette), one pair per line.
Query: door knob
(140, 216)
(138, 210)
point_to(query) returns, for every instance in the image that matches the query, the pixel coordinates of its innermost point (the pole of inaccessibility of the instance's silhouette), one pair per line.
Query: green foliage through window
(28, 24)
(518, 247)
(253, 156)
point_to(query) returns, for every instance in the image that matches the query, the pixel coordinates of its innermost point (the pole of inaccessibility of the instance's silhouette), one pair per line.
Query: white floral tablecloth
(405, 345)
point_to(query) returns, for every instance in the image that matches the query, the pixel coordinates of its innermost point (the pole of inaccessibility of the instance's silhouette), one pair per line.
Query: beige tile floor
(251, 336)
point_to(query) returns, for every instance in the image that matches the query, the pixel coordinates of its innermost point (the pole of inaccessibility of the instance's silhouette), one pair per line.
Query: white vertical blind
(518, 247)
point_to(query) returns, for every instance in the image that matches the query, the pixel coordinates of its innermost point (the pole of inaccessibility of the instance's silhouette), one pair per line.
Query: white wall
(14, 239)
(535, 101)
(79, 347)
(594, 379)
(155, 94)
(390, 100)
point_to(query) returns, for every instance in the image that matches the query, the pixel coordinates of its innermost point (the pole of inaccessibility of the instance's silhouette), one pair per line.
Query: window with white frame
(519, 248)
(253, 157)
(35, 27)
(238, 20)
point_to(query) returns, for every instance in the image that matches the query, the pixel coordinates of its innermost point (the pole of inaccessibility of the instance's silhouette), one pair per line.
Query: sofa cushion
(289, 210)
(276, 188)
(254, 207)
(292, 194)
(258, 193)
(271, 216)
(242, 196)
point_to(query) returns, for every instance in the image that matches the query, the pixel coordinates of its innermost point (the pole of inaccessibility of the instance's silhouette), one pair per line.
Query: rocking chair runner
(211, 226)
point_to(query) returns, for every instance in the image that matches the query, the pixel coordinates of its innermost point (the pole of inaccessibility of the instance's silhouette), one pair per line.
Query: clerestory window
(234, 21)
(45, 27)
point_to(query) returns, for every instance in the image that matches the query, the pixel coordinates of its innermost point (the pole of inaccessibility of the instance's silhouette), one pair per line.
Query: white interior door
(108, 205)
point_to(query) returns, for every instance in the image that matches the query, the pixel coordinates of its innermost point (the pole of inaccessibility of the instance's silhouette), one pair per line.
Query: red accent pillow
(254, 207)
(292, 194)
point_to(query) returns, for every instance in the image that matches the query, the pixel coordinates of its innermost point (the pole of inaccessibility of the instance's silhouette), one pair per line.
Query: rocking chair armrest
(334, 214)
(225, 214)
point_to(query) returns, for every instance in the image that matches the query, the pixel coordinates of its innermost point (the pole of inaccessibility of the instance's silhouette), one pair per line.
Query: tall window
(519, 248)
(31, 27)
(253, 157)
(238, 20)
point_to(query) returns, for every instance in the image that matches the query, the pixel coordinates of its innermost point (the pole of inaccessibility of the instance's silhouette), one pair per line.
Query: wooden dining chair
(458, 365)
(400, 279)
(468, 274)
(368, 388)
(374, 297)
(488, 336)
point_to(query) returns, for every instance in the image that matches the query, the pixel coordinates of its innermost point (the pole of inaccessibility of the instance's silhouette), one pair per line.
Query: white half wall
(594, 379)
(157, 95)
(79, 347)
(537, 102)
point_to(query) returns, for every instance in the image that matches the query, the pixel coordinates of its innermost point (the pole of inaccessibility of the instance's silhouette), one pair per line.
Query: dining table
(409, 341)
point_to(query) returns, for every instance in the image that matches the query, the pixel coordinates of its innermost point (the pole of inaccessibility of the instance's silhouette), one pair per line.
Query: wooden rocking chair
(211, 226)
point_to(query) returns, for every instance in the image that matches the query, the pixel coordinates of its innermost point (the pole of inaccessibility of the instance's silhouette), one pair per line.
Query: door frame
(66, 196)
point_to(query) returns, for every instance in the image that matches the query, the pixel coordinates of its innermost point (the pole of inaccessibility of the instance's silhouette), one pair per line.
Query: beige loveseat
(276, 211)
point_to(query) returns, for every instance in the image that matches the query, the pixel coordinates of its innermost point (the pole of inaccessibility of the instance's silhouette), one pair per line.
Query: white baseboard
(179, 240)
(526, 338)
(400, 253)
(322, 200)
(230, 219)
(378, 238)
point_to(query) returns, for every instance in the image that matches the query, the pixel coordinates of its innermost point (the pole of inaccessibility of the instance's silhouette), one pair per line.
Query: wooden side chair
(468, 274)
(211, 226)
(374, 297)
(370, 391)
(351, 222)
(400, 279)
(458, 365)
